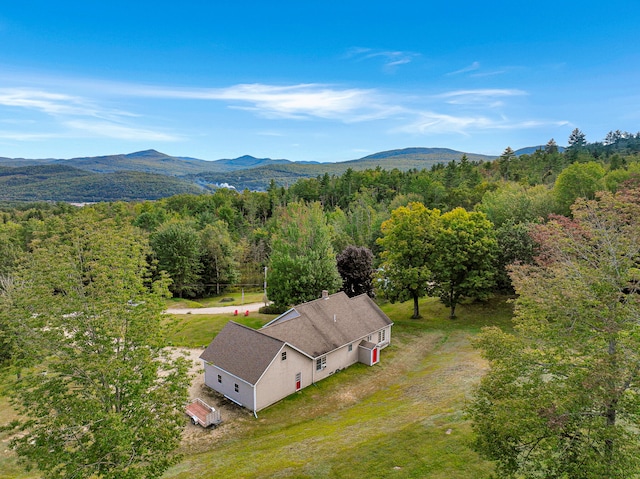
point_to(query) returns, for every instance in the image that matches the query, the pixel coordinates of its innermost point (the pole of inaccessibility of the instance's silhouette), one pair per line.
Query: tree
(578, 180)
(463, 255)
(407, 244)
(577, 139)
(515, 245)
(219, 253)
(177, 248)
(99, 396)
(302, 262)
(551, 147)
(505, 162)
(562, 397)
(355, 265)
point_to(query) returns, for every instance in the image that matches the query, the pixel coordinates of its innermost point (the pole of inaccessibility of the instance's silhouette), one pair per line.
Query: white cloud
(474, 96)
(391, 58)
(45, 102)
(120, 132)
(428, 122)
(474, 66)
(300, 101)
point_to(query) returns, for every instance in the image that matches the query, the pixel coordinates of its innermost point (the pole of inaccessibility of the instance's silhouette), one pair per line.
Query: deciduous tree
(407, 244)
(177, 248)
(219, 252)
(462, 260)
(302, 262)
(355, 265)
(562, 397)
(99, 396)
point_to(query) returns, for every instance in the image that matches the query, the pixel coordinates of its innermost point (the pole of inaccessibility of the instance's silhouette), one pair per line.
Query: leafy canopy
(98, 394)
(562, 398)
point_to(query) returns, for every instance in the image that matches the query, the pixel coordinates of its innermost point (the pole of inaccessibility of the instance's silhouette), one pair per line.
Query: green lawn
(197, 330)
(227, 299)
(402, 418)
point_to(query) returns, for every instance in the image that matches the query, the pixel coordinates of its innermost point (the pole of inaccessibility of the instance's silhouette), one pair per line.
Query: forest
(461, 231)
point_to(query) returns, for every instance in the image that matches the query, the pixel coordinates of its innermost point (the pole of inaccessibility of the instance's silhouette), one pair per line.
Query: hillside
(150, 174)
(286, 174)
(57, 182)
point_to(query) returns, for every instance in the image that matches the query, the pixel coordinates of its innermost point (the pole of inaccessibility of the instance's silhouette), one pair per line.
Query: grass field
(402, 418)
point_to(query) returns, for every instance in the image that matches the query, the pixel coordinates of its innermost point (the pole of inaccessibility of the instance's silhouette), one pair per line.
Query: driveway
(217, 310)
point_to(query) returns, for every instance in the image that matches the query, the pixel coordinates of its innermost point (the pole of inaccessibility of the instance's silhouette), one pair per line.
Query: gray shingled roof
(327, 324)
(242, 351)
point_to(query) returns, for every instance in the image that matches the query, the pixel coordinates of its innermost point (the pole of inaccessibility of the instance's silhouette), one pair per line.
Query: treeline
(211, 242)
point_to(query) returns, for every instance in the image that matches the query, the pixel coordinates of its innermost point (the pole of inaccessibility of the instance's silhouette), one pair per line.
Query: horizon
(311, 82)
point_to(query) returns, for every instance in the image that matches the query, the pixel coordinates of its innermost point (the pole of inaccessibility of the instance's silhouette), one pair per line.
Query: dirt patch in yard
(196, 438)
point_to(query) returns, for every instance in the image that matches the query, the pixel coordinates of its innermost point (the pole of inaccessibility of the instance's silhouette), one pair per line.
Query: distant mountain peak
(146, 153)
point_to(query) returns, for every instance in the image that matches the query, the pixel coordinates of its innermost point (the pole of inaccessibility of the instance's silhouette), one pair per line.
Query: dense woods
(452, 231)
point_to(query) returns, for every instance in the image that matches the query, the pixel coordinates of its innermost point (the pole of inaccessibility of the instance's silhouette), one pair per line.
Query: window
(369, 338)
(236, 388)
(381, 335)
(350, 348)
(284, 355)
(219, 379)
(321, 363)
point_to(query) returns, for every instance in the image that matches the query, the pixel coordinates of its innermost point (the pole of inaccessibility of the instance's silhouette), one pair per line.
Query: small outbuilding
(311, 341)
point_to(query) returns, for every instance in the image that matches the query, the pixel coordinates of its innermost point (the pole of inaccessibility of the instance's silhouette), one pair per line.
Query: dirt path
(231, 414)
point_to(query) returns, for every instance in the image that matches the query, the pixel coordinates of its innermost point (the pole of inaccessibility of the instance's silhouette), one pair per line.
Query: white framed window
(382, 335)
(321, 363)
(284, 355)
(350, 348)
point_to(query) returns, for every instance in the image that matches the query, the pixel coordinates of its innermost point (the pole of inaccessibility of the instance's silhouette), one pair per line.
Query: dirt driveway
(196, 438)
(216, 309)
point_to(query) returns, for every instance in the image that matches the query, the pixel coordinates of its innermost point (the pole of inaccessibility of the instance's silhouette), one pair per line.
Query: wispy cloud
(391, 58)
(428, 122)
(45, 101)
(90, 109)
(301, 101)
(72, 115)
(484, 97)
(473, 67)
(121, 132)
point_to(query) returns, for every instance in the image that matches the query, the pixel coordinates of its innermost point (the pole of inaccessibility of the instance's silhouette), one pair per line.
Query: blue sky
(307, 80)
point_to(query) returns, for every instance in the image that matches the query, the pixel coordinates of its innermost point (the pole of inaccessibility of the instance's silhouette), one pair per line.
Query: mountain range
(150, 174)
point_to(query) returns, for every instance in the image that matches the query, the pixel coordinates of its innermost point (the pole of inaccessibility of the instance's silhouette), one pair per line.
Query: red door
(375, 356)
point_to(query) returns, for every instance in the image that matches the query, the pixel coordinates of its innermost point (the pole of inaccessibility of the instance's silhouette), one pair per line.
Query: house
(256, 368)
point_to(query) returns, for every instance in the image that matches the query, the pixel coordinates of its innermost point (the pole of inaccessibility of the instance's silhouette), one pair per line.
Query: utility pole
(265, 286)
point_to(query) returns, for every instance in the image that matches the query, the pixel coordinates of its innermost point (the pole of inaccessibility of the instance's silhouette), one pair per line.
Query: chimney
(325, 294)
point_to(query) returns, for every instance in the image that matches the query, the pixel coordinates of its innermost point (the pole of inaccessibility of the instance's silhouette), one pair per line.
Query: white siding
(243, 396)
(279, 380)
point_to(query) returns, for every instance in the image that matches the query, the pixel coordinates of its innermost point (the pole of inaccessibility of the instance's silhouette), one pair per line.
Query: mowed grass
(235, 298)
(402, 418)
(197, 330)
